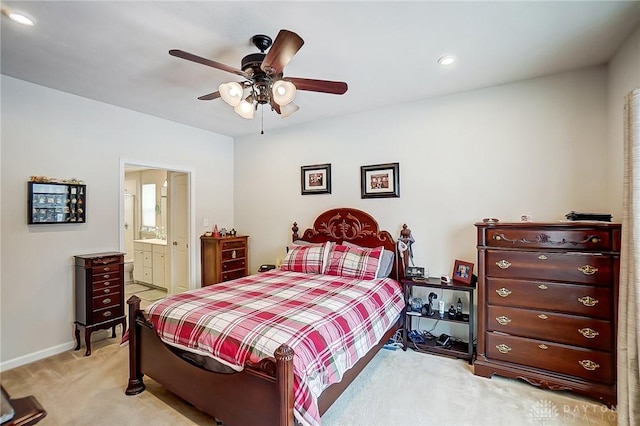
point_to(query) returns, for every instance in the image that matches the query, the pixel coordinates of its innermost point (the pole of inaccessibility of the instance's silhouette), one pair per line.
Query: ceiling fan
(264, 83)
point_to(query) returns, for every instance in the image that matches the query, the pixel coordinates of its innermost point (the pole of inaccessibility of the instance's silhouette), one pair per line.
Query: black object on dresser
(456, 349)
(99, 282)
(547, 304)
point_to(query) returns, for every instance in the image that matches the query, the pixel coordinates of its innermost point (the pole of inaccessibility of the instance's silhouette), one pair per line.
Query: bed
(263, 392)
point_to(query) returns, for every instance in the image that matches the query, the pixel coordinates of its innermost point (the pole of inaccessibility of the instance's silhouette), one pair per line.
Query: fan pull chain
(262, 120)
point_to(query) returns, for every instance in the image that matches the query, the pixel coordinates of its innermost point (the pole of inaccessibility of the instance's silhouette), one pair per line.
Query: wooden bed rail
(266, 386)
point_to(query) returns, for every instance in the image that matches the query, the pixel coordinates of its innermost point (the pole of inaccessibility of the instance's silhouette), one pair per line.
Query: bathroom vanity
(149, 261)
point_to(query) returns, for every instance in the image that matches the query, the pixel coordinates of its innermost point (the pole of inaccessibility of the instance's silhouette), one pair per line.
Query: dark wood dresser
(547, 304)
(99, 282)
(223, 258)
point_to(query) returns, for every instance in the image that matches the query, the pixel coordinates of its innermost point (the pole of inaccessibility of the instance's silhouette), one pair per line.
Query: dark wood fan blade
(208, 62)
(210, 96)
(275, 106)
(324, 86)
(285, 46)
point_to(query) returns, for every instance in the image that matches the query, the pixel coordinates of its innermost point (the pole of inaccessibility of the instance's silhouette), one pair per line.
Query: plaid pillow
(306, 259)
(354, 262)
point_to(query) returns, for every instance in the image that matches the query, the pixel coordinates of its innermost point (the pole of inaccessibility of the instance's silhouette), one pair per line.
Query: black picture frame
(380, 180)
(315, 179)
(462, 272)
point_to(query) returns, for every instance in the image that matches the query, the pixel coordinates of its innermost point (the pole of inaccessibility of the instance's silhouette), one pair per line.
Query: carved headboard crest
(346, 224)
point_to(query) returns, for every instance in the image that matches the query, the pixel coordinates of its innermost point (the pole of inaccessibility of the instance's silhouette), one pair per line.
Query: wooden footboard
(261, 394)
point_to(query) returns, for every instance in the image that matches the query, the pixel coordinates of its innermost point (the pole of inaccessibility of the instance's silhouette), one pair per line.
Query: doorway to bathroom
(155, 227)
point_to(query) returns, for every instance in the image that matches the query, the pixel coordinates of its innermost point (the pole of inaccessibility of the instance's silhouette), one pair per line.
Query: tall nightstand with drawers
(223, 259)
(547, 304)
(99, 286)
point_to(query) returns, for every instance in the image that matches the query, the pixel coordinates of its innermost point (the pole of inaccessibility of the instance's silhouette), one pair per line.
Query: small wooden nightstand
(223, 258)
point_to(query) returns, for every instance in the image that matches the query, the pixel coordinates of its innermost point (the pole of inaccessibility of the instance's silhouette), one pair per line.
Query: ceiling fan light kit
(264, 83)
(231, 93)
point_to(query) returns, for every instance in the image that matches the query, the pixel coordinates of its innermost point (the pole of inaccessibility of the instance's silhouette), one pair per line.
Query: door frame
(191, 203)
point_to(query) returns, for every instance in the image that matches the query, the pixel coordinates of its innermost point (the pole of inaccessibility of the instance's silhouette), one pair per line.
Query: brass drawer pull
(503, 292)
(107, 290)
(106, 268)
(587, 364)
(106, 276)
(503, 349)
(107, 314)
(503, 264)
(587, 301)
(543, 316)
(543, 346)
(595, 240)
(542, 257)
(588, 269)
(105, 301)
(542, 287)
(589, 333)
(502, 320)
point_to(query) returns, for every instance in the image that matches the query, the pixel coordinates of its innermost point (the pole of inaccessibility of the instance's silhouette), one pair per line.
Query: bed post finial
(294, 229)
(136, 385)
(284, 377)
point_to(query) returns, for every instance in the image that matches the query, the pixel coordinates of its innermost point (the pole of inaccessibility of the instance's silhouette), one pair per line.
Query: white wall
(624, 76)
(536, 146)
(51, 133)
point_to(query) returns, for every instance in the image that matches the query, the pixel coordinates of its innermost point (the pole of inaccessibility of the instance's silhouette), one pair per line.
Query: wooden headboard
(353, 225)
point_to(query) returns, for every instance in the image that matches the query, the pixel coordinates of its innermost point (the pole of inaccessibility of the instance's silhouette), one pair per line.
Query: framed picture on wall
(315, 179)
(380, 180)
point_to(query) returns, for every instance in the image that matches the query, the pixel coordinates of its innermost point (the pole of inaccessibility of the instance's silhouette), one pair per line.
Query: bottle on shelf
(459, 309)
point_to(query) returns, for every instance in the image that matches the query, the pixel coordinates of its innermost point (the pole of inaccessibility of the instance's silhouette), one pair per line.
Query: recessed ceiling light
(446, 60)
(20, 18)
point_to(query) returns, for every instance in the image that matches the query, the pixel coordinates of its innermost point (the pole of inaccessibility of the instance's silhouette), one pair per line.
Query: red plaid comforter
(330, 322)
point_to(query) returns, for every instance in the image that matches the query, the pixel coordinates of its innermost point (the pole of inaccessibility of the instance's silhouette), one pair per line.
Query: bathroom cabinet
(149, 262)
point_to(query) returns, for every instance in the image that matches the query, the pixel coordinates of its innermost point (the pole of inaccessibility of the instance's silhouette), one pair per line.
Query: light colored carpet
(151, 295)
(396, 388)
(131, 288)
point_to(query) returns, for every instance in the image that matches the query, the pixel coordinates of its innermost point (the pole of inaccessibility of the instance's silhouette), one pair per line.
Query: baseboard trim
(36, 356)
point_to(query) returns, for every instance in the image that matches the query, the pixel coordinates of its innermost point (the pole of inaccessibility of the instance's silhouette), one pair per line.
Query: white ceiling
(116, 51)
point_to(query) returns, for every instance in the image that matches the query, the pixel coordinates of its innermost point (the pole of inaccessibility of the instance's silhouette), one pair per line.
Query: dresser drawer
(232, 275)
(106, 287)
(569, 298)
(107, 260)
(228, 245)
(102, 269)
(571, 267)
(111, 282)
(588, 364)
(231, 265)
(102, 279)
(233, 254)
(106, 301)
(99, 279)
(570, 329)
(107, 314)
(570, 239)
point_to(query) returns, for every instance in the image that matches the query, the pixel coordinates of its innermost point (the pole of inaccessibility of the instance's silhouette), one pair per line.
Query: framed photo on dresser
(462, 272)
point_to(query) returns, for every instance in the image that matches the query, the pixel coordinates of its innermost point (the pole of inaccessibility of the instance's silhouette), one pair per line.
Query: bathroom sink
(152, 241)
